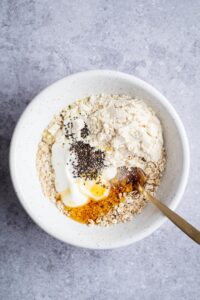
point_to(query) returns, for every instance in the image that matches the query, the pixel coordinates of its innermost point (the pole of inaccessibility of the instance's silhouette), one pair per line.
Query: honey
(97, 190)
(92, 210)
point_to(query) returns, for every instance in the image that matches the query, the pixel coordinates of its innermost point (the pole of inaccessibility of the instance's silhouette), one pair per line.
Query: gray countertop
(42, 41)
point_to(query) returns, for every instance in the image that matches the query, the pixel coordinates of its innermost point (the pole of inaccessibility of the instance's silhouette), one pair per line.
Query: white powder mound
(126, 128)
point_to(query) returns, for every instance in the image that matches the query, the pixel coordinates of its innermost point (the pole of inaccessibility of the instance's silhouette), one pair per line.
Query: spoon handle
(187, 228)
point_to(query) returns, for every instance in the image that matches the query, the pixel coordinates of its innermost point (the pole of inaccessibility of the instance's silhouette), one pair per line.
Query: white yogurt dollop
(65, 184)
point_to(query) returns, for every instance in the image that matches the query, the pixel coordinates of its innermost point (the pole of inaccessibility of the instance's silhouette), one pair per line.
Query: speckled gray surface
(42, 41)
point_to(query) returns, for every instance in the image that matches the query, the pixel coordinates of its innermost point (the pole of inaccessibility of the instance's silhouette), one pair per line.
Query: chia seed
(68, 130)
(89, 161)
(85, 131)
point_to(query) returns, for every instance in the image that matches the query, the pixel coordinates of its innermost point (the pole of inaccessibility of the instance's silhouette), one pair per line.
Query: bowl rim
(149, 88)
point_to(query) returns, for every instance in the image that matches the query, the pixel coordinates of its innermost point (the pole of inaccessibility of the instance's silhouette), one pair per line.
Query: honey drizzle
(92, 210)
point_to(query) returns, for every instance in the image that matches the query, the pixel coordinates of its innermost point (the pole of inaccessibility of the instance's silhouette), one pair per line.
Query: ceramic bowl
(28, 134)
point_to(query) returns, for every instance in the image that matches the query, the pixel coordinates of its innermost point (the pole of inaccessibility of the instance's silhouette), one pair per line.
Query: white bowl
(27, 136)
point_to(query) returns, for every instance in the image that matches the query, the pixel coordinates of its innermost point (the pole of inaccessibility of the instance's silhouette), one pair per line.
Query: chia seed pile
(89, 162)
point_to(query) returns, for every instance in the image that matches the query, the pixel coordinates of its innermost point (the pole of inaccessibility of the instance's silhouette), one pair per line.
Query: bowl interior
(27, 136)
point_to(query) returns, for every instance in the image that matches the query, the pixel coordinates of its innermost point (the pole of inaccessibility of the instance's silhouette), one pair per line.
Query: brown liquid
(126, 183)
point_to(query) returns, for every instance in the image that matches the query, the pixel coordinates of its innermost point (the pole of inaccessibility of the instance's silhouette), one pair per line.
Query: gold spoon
(187, 228)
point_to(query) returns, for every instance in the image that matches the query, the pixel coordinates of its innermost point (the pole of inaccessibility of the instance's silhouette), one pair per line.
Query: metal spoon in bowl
(187, 228)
